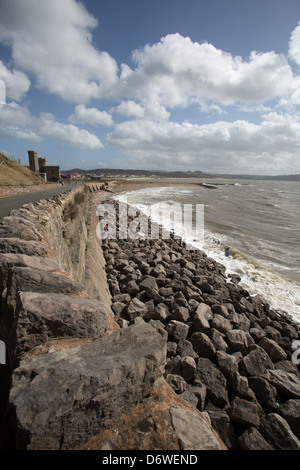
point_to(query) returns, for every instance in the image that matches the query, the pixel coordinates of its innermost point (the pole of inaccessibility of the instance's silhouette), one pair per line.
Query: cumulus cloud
(53, 42)
(147, 109)
(93, 116)
(268, 147)
(177, 72)
(16, 122)
(129, 108)
(294, 45)
(16, 83)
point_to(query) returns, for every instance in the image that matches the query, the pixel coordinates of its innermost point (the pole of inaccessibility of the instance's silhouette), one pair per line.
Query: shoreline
(228, 353)
(121, 188)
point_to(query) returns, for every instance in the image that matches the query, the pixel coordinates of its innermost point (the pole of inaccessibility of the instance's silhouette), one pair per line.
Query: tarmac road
(15, 202)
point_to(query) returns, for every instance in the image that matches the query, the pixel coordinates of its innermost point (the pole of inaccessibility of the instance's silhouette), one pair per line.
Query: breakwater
(74, 378)
(228, 353)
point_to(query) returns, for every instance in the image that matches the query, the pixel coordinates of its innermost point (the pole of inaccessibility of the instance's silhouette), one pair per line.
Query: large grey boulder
(26, 247)
(39, 317)
(193, 431)
(19, 227)
(37, 280)
(9, 260)
(59, 400)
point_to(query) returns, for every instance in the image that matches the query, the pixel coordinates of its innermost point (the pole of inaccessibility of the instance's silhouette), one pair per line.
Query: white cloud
(148, 109)
(240, 146)
(130, 109)
(52, 40)
(16, 82)
(16, 122)
(177, 72)
(93, 116)
(294, 45)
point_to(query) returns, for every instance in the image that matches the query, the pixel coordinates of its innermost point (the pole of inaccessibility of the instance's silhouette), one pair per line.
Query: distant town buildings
(39, 165)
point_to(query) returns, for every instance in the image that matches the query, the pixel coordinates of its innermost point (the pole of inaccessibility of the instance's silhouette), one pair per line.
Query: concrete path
(15, 202)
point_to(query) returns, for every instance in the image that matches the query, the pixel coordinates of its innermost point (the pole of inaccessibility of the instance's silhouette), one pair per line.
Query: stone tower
(33, 161)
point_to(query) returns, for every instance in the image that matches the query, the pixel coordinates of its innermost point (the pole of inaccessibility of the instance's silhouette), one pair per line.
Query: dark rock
(149, 281)
(227, 364)
(251, 439)
(202, 344)
(240, 385)
(277, 431)
(272, 333)
(221, 324)
(118, 307)
(285, 382)
(160, 312)
(177, 330)
(265, 393)
(188, 368)
(180, 314)
(185, 348)
(257, 333)
(173, 365)
(190, 397)
(171, 348)
(165, 291)
(214, 380)
(220, 421)
(238, 340)
(244, 412)
(220, 310)
(135, 308)
(202, 317)
(200, 390)
(290, 332)
(177, 383)
(124, 298)
(131, 288)
(257, 363)
(290, 411)
(217, 339)
(275, 352)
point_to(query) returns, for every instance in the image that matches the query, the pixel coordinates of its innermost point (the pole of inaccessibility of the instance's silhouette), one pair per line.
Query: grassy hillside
(14, 174)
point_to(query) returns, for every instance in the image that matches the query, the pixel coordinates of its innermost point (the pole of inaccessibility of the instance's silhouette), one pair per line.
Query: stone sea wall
(74, 377)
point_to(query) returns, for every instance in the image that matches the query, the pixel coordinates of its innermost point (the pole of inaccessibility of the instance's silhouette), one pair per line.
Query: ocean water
(252, 227)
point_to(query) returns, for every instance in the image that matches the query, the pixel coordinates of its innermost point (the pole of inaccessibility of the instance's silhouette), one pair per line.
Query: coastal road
(15, 202)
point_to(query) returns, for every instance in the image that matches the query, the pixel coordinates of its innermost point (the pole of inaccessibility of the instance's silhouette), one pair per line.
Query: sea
(251, 226)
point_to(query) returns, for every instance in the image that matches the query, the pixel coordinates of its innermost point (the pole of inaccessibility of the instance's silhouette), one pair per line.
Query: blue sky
(172, 85)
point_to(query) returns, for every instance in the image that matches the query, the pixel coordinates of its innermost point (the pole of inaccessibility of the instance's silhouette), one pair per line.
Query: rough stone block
(39, 317)
(61, 399)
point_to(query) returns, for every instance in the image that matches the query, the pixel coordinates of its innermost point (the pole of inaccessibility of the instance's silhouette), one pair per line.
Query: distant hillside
(14, 174)
(162, 174)
(260, 177)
